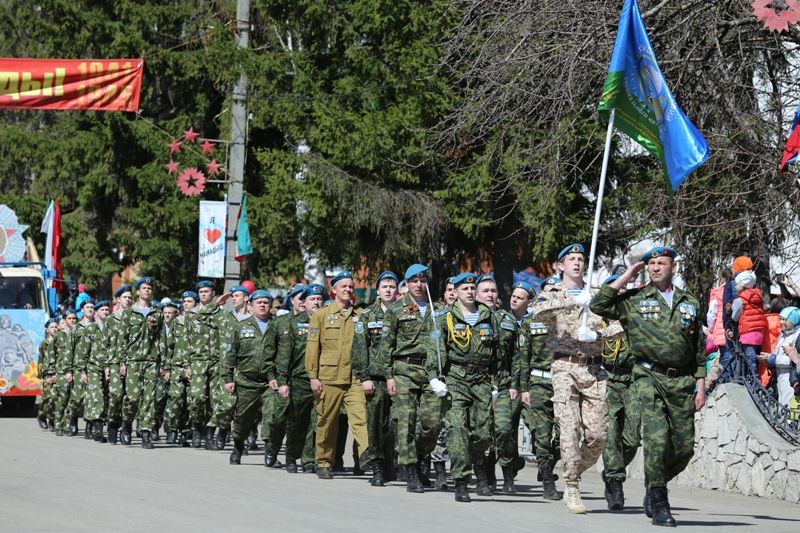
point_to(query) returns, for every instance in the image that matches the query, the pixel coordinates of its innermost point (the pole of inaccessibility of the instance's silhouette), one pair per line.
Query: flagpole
(598, 208)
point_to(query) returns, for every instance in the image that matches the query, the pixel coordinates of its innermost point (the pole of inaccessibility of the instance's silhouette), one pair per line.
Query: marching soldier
(80, 378)
(62, 364)
(93, 348)
(169, 310)
(664, 332)
(115, 379)
(46, 375)
(239, 299)
(176, 413)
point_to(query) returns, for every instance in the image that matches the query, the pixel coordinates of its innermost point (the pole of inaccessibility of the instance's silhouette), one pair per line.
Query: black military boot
(97, 431)
(112, 432)
(211, 444)
(73, 426)
(147, 443)
(42, 422)
(236, 453)
(51, 424)
(155, 435)
(462, 493)
(291, 465)
(197, 437)
(252, 440)
(127, 428)
(377, 475)
(508, 480)
(222, 436)
(441, 475)
(172, 437)
(87, 433)
(412, 480)
(647, 503)
(482, 487)
(185, 439)
(491, 475)
(270, 457)
(662, 515)
(615, 498)
(424, 473)
(549, 491)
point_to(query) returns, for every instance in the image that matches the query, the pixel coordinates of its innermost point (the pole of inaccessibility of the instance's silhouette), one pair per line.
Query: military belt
(617, 369)
(668, 371)
(475, 369)
(582, 360)
(412, 360)
(540, 373)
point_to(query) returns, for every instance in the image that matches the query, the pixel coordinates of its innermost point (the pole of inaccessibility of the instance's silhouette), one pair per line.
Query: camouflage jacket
(277, 327)
(406, 333)
(366, 344)
(290, 359)
(90, 352)
(140, 335)
(669, 336)
(45, 364)
(533, 351)
(556, 308)
(245, 355)
(508, 369)
(84, 329)
(116, 354)
(178, 343)
(210, 330)
(63, 352)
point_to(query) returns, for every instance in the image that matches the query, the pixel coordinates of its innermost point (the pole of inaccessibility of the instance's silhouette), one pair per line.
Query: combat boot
(211, 444)
(172, 437)
(185, 439)
(548, 480)
(236, 453)
(291, 465)
(252, 440)
(73, 426)
(270, 457)
(614, 495)
(324, 473)
(222, 436)
(491, 475)
(197, 437)
(412, 480)
(98, 431)
(647, 503)
(482, 487)
(42, 422)
(424, 473)
(441, 475)
(462, 492)
(51, 424)
(363, 462)
(155, 435)
(508, 480)
(112, 433)
(127, 428)
(147, 443)
(662, 514)
(377, 475)
(572, 498)
(87, 433)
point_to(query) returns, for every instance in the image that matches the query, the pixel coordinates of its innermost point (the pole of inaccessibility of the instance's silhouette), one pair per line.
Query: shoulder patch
(510, 326)
(385, 331)
(359, 327)
(313, 332)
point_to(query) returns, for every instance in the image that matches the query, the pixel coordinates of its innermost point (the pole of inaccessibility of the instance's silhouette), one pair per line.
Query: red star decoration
(208, 147)
(213, 167)
(190, 135)
(172, 167)
(174, 146)
(777, 17)
(192, 182)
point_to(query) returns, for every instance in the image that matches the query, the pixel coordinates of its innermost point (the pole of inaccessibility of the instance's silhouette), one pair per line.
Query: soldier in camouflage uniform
(624, 420)
(579, 380)
(210, 330)
(93, 351)
(535, 381)
(176, 413)
(140, 339)
(246, 370)
(80, 378)
(46, 375)
(368, 367)
(276, 408)
(464, 361)
(169, 309)
(665, 339)
(114, 378)
(62, 365)
(407, 327)
(507, 407)
(294, 384)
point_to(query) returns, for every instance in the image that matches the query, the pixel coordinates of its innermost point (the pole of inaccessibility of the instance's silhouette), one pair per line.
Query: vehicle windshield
(21, 293)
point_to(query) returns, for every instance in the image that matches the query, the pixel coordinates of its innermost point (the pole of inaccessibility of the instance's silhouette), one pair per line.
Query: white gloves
(583, 298)
(495, 394)
(439, 388)
(585, 334)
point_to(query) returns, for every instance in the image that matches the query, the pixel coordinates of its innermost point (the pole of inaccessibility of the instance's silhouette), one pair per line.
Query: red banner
(98, 85)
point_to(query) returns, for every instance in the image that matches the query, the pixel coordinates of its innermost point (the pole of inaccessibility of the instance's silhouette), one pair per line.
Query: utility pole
(237, 149)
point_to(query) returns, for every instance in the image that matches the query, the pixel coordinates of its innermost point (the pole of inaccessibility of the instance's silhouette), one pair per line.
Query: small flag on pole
(645, 108)
(51, 225)
(792, 143)
(243, 245)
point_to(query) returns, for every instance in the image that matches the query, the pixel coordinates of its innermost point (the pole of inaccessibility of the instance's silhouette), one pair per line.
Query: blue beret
(145, 279)
(168, 302)
(489, 276)
(203, 284)
(259, 294)
(611, 279)
(68, 312)
(297, 289)
(51, 321)
(313, 290)
(239, 288)
(102, 303)
(525, 286)
(464, 277)
(416, 270)
(87, 301)
(122, 290)
(659, 251)
(190, 294)
(576, 248)
(345, 274)
(552, 280)
(387, 275)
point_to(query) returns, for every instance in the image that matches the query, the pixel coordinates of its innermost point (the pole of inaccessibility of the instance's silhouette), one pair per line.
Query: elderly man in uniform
(368, 367)
(666, 341)
(578, 377)
(407, 327)
(329, 367)
(115, 379)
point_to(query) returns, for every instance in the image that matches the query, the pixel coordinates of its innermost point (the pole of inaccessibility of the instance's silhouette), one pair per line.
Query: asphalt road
(50, 483)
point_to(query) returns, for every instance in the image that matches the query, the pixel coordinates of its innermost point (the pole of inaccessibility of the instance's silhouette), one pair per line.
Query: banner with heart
(211, 241)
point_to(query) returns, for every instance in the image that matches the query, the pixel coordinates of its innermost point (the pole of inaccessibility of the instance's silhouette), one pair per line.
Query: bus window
(21, 293)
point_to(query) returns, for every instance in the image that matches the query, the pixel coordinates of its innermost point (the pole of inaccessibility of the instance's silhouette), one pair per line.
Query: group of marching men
(417, 381)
